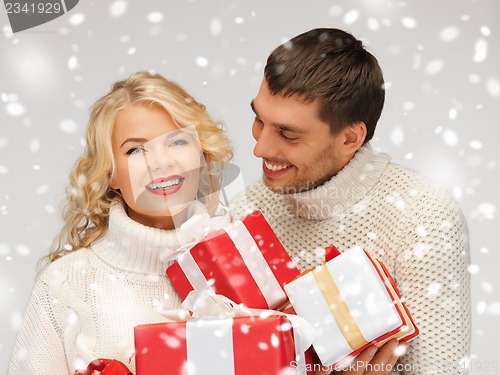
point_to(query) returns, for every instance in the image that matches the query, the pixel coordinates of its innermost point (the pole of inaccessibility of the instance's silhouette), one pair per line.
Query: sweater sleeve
(431, 272)
(38, 349)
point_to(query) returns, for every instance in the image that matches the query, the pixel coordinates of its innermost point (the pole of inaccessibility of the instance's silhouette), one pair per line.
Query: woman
(152, 160)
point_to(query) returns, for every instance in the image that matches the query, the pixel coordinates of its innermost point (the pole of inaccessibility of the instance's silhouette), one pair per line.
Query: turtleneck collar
(134, 247)
(344, 189)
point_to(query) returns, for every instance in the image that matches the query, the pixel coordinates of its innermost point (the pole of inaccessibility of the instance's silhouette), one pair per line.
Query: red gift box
(105, 367)
(245, 262)
(243, 346)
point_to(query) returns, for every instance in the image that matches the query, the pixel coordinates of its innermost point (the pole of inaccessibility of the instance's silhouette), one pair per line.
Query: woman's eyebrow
(135, 140)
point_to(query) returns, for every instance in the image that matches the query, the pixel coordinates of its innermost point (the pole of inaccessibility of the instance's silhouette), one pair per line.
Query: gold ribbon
(338, 307)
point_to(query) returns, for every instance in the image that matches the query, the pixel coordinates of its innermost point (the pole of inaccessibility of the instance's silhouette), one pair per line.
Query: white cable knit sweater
(84, 305)
(407, 222)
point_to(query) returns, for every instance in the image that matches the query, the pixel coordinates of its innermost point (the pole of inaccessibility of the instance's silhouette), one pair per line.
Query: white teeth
(276, 168)
(164, 184)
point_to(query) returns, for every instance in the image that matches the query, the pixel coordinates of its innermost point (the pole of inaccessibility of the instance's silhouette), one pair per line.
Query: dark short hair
(332, 65)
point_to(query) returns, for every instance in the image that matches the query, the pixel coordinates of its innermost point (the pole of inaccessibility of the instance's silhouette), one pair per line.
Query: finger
(358, 364)
(385, 353)
(398, 352)
(322, 372)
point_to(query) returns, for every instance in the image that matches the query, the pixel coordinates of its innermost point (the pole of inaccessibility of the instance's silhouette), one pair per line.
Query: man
(323, 184)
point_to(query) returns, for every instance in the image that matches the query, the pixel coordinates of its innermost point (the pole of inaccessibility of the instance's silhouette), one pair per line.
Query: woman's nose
(161, 159)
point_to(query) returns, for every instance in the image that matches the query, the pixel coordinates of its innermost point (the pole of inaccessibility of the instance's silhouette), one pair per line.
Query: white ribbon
(256, 263)
(209, 345)
(202, 307)
(194, 230)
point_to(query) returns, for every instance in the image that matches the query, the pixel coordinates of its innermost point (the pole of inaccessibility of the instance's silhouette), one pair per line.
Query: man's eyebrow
(253, 107)
(290, 128)
(283, 127)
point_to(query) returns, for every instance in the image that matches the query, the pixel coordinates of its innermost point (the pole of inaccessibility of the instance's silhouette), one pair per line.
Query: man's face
(298, 151)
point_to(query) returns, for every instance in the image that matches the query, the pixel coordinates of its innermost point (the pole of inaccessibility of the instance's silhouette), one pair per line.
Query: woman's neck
(159, 221)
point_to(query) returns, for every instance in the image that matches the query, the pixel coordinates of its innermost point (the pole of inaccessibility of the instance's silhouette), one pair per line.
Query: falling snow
(449, 34)
(450, 137)
(68, 126)
(434, 289)
(397, 135)
(201, 61)
(494, 309)
(72, 63)
(77, 19)
(23, 250)
(15, 109)
(351, 17)
(216, 26)
(493, 86)
(442, 92)
(481, 50)
(155, 17)
(434, 67)
(118, 8)
(409, 22)
(473, 268)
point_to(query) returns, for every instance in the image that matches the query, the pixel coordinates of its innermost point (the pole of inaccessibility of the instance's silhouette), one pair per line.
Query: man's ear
(353, 137)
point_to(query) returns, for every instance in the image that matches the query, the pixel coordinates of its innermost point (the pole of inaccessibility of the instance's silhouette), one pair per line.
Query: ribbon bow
(105, 367)
(194, 230)
(204, 303)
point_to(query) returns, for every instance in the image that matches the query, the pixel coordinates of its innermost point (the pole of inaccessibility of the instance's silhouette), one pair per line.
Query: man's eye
(135, 150)
(288, 139)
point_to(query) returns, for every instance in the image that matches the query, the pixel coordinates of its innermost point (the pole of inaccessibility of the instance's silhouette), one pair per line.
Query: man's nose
(266, 146)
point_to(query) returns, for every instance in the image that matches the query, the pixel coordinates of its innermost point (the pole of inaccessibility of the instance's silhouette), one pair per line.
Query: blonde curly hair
(89, 195)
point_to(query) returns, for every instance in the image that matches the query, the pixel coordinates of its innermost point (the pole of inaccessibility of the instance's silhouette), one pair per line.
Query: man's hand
(374, 361)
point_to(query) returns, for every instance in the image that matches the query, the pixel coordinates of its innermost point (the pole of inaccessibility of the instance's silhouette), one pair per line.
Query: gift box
(244, 261)
(352, 302)
(105, 366)
(221, 345)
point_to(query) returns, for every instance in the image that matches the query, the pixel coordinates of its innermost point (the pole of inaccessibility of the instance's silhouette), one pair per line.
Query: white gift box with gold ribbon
(348, 303)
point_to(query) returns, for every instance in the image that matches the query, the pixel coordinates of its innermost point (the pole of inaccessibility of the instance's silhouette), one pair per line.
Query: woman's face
(157, 165)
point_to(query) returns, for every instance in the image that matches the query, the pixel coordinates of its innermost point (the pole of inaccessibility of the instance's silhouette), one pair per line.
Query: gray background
(441, 60)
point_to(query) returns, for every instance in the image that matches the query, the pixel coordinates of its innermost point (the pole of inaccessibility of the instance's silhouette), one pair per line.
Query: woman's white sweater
(85, 305)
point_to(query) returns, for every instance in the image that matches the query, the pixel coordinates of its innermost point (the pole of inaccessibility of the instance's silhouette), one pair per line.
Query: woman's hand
(374, 361)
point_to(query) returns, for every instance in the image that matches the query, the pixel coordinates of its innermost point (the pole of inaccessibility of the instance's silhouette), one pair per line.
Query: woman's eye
(135, 150)
(178, 142)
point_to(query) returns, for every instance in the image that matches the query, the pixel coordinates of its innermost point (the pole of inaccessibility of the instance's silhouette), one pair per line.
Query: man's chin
(280, 189)
(287, 190)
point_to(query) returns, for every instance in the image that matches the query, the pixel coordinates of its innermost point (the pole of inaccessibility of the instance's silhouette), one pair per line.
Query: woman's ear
(112, 181)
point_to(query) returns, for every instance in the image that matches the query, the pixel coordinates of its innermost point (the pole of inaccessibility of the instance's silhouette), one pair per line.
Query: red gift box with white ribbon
(244, 261)
(352, 302)
(219, 338)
